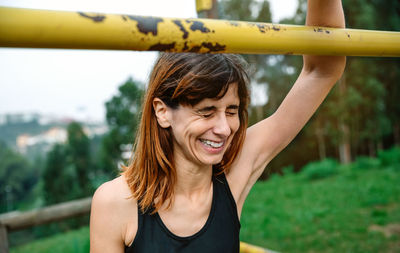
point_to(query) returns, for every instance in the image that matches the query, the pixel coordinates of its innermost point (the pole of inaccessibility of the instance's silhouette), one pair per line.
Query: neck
(192, 179)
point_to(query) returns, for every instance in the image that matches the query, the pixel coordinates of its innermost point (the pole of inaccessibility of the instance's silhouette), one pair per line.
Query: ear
(162, 112)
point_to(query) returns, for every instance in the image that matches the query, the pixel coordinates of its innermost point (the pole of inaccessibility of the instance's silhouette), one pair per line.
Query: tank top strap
(221, 181)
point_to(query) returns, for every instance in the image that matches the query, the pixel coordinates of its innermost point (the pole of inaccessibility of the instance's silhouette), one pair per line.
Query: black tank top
(219, 234)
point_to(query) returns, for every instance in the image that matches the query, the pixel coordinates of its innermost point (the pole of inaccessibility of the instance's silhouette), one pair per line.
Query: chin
(212, 161)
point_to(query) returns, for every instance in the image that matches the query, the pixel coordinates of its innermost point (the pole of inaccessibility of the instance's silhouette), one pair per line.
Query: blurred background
(68, 120)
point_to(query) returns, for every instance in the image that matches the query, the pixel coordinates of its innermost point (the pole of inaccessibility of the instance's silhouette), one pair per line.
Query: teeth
(213, 144)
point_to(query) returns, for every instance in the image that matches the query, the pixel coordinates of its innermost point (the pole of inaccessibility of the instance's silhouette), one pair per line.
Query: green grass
(331, 212)
(334, 214)
(76, 241)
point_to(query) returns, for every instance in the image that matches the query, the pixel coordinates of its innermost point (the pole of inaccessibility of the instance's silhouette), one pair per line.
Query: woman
(195, 162)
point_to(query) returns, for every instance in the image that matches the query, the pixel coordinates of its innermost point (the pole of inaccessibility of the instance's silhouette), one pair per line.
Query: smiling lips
(212, 144)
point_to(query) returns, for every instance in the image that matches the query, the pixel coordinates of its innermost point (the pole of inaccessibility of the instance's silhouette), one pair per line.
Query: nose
(221, 126)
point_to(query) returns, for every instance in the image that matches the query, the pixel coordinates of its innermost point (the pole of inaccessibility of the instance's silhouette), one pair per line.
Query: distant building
(28, 141)
(50, 137)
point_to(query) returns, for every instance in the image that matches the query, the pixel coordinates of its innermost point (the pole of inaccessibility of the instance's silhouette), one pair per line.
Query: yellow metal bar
(77, 30)
(204, 5)
(207, 9)
(248, 248)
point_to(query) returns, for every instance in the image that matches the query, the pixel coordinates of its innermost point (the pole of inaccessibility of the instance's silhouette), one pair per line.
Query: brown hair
(180, 79)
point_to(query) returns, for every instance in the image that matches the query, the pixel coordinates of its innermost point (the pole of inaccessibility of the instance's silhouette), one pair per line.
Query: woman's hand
(325, 13)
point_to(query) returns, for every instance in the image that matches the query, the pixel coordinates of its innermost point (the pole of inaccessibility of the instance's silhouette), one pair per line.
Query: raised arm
(267, 138)
(318, 76)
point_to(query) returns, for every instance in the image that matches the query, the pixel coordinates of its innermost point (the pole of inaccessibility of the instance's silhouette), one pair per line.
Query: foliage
(68, 167)
(122, 115)
(365, 163)
(67, 177)
(363, 102)
(78, 150)
(72, 242)
(320, 169)
(390, 157)
(386, 158)
(58, 182)
(17, 178)
(362, 111)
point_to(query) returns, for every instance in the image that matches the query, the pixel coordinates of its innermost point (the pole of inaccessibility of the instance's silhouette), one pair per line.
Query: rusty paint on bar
(78, 30)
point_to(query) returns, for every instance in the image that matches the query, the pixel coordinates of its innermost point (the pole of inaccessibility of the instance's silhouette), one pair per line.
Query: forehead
(231, 97)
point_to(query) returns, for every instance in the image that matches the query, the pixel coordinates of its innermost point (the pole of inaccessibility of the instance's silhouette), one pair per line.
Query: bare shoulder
(113, 192)
(113, 219)
(115, 197)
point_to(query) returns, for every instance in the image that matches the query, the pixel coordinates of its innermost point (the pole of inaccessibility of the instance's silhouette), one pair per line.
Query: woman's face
(203, 133)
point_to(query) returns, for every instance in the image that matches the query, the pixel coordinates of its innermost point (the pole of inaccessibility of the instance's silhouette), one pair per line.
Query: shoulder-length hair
(180, 79)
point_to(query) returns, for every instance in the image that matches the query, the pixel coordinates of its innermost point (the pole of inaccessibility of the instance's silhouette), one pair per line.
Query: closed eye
(207, 115)
(206, 112)
(231, 113)
(232, 110)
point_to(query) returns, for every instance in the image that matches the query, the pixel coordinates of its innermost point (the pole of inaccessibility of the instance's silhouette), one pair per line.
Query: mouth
(213, 144)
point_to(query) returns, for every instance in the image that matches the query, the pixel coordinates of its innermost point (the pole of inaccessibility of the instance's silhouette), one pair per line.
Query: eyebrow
(213, 108)
(234, 107)
(207, 109)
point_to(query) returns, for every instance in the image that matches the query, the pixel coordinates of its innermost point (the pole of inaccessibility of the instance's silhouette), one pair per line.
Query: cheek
(235, 123)
(186, 128)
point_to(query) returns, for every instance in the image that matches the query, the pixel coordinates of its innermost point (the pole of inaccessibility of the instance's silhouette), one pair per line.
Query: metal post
(207, 8)
(3, 239)
(78, 30)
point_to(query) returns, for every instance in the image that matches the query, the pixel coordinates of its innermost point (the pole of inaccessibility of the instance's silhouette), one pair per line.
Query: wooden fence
(14, 221)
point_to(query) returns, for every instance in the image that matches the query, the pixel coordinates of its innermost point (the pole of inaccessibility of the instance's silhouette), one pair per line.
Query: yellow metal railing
(77, 30)
(248, 248)
(203, 5)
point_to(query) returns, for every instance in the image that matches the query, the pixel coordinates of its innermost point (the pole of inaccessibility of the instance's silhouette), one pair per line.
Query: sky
(77, 83)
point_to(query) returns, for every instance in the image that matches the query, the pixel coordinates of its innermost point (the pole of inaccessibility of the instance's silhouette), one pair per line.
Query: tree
(68, 167)
(17, 178)
(79, 157)
(365, 95)
(387, 17)
(356, 118)
(122, 116)
(59, 179)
